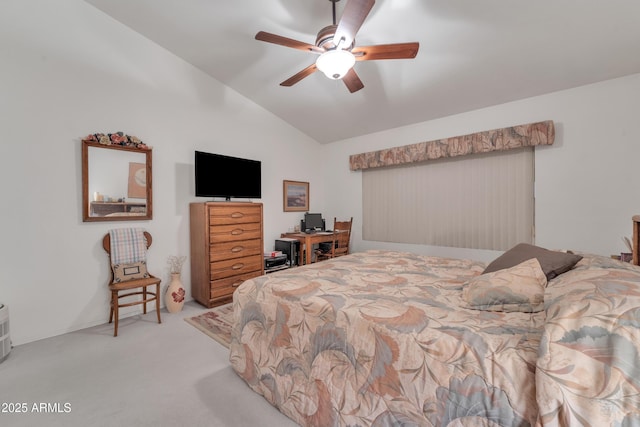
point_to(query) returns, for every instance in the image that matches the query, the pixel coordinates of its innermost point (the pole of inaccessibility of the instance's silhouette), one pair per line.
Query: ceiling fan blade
(355, 12)
(386, 51)
(287, 42)
(300, 75)
(352, 81)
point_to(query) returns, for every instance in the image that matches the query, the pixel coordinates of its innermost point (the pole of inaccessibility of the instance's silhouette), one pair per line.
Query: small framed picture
(137, 181)
(295, 196)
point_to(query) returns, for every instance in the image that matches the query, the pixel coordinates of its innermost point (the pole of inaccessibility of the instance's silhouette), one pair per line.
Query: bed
(384, 338)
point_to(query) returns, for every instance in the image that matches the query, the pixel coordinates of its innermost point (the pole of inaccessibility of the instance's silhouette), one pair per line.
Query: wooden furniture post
(636, 239)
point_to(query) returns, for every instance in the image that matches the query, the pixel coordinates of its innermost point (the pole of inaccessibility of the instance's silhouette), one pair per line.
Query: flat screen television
(225, 176)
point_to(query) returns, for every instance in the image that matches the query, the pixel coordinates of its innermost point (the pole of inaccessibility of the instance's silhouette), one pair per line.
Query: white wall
(69, 70)
(586, 184)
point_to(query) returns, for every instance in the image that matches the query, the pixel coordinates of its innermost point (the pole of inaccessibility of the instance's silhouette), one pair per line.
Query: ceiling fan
(336, 46)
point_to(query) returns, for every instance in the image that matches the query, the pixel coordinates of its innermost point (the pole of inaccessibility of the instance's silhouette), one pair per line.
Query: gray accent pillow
(553, 263)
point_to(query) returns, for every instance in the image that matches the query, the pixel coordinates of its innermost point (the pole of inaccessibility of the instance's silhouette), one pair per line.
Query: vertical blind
(480, 202)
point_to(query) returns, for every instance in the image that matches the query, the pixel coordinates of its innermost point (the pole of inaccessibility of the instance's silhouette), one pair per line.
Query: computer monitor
(313, 221)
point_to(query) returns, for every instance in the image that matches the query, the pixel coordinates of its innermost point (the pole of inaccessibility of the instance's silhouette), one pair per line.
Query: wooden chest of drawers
(226, 249)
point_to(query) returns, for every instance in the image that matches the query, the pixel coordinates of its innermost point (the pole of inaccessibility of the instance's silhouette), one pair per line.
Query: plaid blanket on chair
(128, 245)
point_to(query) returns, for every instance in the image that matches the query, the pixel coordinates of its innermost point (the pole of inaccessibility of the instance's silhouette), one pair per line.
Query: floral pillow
(124, 272)
(519, 288)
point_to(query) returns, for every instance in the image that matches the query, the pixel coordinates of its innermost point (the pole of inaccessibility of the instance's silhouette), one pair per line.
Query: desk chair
(138, 277)
(340, 245)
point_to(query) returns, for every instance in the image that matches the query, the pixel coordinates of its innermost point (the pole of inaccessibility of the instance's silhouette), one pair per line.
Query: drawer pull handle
(237, 249)
(237, 215)
(237, 231)
(236, 284)
(237, 266)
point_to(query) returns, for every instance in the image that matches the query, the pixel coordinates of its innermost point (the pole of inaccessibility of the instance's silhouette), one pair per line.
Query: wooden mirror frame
(86, 201)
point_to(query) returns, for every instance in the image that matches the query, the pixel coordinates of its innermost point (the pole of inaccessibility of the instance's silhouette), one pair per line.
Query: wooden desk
(309, 240)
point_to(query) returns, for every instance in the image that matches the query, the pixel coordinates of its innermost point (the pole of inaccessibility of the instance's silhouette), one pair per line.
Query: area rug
(216, 323)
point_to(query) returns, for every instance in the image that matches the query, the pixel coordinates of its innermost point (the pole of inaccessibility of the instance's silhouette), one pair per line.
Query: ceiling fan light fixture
(336, 63)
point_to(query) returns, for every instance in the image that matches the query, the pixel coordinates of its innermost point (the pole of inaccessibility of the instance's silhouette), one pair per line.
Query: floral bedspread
(380, 339)
(588, 370)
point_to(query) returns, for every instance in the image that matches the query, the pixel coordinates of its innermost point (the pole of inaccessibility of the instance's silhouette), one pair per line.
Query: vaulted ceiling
(473, 53)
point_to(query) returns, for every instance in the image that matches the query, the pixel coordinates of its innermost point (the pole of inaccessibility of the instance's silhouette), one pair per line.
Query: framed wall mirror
(116, 183)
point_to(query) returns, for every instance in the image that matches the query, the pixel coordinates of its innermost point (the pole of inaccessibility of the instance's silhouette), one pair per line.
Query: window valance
(540, 133)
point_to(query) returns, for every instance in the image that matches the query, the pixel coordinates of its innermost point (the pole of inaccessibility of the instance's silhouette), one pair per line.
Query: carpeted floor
(151, 375)
(216, 323)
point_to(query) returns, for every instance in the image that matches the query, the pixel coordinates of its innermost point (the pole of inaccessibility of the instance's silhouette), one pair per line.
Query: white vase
(174, 298)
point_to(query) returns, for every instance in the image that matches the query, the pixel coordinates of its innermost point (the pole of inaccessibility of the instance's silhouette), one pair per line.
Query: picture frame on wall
(295, 196)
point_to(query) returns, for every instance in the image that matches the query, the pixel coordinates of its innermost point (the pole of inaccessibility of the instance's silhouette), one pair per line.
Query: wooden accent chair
(341, 239)
(116, 288)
